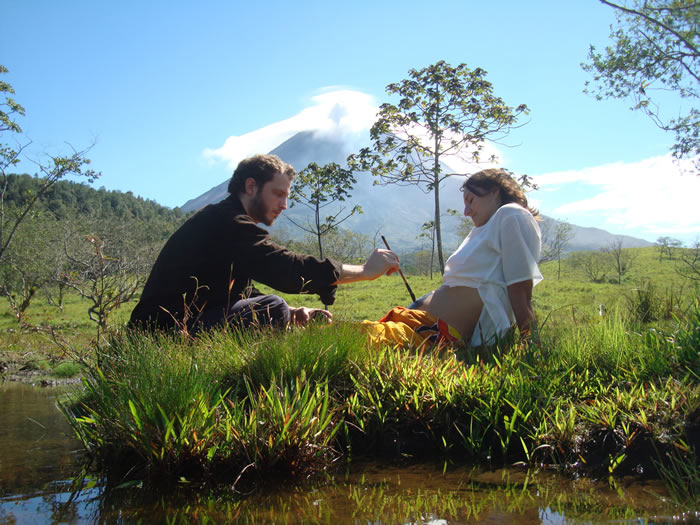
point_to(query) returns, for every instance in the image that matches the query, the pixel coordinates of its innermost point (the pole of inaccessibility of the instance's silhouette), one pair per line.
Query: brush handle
(410, 292)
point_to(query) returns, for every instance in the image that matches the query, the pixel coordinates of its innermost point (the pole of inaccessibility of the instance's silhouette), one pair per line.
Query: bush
(643, 303)
(68, 369)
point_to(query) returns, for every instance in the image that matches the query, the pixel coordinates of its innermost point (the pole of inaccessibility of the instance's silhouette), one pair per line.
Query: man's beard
(259, 212)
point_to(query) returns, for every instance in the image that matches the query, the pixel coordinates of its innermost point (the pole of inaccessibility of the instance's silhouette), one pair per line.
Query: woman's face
(480, 208)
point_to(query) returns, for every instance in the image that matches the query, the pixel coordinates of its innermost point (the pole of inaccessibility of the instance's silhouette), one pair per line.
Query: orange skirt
(403, 327)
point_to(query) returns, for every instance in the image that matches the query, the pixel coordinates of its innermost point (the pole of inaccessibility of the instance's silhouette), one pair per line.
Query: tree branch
(653, 21)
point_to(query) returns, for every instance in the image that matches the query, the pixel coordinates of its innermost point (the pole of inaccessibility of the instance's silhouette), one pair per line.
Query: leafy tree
(317, 187)
(655, 49)
(53, 170)
(667, 246)
(418, 262)
(9, 108)
(28, 264)
(347, 246)
(428, 233)
(556, 236)
(443, 111)
(465, 226)
(340, 244)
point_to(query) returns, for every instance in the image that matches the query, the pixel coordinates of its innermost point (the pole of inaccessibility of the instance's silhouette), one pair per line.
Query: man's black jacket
(210, 262)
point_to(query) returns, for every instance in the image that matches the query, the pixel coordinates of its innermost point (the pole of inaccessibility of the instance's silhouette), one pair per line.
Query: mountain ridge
(397, 211)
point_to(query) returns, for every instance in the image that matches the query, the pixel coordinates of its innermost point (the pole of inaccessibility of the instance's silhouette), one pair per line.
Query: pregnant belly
(458, 306)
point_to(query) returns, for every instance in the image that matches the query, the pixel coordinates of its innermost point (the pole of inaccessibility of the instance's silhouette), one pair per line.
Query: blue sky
(174, 93)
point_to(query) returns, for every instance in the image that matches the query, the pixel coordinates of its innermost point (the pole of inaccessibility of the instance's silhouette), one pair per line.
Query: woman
(488, 281)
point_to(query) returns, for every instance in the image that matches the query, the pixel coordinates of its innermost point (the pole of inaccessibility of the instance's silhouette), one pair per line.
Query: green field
(605, 390)
(570, 303)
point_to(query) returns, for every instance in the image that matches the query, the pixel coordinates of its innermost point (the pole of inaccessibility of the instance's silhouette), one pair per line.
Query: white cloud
(655, 195)
(340, 113)
(647, 198)
(343, 114)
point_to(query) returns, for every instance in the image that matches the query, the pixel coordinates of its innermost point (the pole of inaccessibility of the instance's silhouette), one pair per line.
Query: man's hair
(262, 168)
(491, 179)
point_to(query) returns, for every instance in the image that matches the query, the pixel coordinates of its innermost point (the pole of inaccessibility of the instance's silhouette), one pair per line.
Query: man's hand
(302, 315)
(380, 262)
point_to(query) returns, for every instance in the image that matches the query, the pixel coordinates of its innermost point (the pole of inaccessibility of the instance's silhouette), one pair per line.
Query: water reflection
(36, 441)
(376, 494)
(40, 467)
(38, 452)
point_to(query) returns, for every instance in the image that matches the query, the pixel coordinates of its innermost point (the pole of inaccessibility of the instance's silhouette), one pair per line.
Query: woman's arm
(520, 295)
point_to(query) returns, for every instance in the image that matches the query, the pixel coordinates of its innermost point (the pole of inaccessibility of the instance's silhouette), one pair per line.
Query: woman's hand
(302, 315)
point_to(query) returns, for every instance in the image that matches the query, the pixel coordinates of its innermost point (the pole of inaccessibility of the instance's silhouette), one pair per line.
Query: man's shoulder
(229, 209)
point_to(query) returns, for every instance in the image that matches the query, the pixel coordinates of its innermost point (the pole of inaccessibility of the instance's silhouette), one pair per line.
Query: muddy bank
(25, 371)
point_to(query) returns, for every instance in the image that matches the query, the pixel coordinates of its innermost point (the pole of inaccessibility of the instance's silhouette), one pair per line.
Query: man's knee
(264, 310)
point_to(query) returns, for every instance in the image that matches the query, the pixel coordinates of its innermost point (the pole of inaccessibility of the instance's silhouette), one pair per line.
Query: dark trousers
(259, 311)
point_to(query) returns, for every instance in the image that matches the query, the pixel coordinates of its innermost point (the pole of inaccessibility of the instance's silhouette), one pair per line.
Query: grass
(246, 406)
(600, 395)
(68, 369)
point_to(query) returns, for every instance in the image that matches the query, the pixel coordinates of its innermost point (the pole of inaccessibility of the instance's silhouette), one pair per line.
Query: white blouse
(502, 252)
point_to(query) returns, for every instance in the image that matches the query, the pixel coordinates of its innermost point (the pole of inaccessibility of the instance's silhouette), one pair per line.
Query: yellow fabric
(409, 328)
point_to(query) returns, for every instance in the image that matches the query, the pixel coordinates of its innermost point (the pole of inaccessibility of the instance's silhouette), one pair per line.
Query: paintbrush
(410, 292)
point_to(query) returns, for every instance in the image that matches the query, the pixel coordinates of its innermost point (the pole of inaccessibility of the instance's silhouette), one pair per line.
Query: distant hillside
(586, 238)
(67, 198)
(299, 151)
(398, 212)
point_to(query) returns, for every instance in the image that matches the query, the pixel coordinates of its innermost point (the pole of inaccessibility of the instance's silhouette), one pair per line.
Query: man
(202, 276)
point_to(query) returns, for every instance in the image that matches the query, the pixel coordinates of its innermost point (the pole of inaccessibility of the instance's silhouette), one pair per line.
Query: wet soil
(23, 371)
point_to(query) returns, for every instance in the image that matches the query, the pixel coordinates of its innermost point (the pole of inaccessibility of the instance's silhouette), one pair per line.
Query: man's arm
(380, 262)
(520, 295)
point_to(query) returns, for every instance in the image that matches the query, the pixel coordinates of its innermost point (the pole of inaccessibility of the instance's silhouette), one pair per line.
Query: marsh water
(42, 480)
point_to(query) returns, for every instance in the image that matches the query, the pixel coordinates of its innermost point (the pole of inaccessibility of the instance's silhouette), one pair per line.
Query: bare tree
(107, 269)
(689, 266)
(594, 265)
(556, 236)
(622, 258)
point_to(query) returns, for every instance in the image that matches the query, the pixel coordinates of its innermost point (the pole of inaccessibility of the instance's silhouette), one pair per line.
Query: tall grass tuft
(152, 399)
(600, 398)
(680, 471)
(319, 353)
(400, 403)
(287, 429)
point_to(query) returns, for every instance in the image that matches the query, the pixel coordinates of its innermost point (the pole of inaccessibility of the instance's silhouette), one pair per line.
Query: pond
(41, 481)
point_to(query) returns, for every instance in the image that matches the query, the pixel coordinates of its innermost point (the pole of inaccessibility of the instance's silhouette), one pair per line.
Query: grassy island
(612, 387)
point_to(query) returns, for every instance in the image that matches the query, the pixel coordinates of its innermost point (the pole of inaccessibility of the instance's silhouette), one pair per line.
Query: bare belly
(458, 306)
